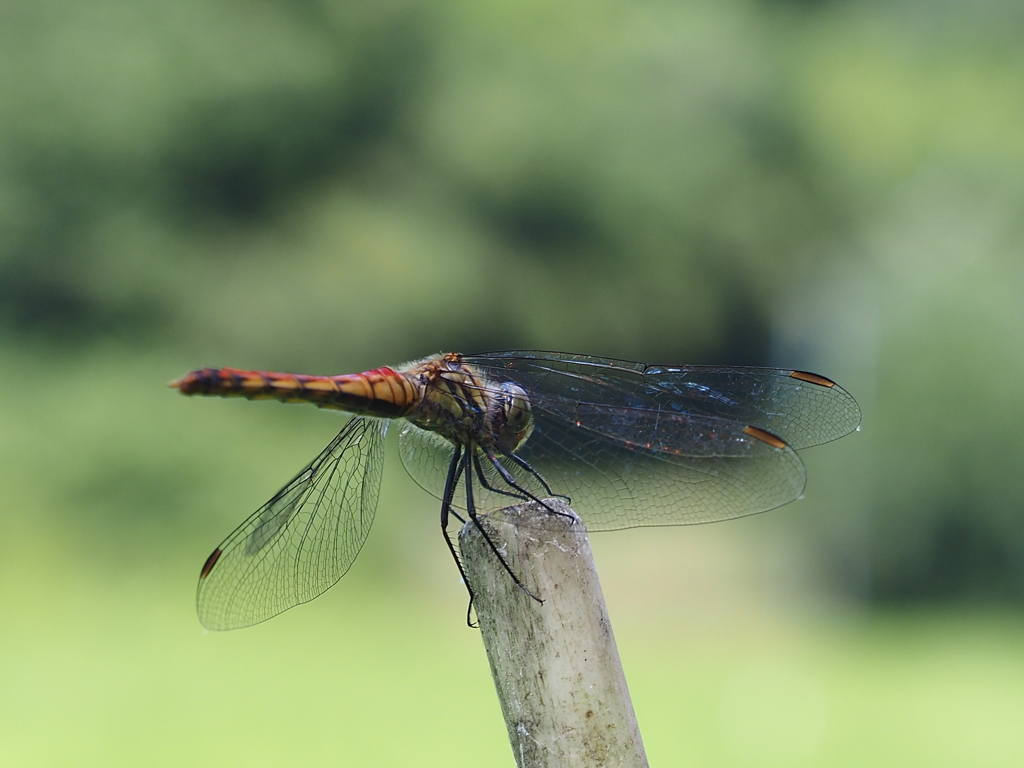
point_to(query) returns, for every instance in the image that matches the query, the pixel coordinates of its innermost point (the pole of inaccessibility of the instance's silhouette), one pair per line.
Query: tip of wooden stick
(551, 515)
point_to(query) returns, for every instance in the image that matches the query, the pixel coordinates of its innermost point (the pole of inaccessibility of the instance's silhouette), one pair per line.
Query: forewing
(303, 540)
(803, 409)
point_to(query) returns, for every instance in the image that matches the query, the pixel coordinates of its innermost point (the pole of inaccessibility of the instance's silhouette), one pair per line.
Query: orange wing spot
(812, 378)
(765, 437)
(210, 562)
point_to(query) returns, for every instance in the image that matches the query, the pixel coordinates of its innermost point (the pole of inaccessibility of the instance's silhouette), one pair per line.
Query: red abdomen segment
(380, 392)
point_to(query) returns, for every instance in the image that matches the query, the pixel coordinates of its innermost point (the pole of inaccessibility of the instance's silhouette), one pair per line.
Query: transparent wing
(425, 456)
(651, 480)
(303, 540)
(803, 409)
(614, 483)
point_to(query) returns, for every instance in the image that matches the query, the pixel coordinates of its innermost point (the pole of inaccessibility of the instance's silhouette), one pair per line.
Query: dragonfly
(626, 444)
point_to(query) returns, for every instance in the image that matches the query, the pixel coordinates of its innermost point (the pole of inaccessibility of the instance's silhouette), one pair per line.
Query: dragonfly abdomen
(380, 392)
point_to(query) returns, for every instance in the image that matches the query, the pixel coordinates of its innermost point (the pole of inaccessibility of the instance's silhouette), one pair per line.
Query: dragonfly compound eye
(515, 406)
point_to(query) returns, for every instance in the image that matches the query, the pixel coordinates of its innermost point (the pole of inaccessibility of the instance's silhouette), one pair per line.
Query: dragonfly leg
(507, 477)
(467, 472)
(539, 477)
(522, 496)
(455, 469)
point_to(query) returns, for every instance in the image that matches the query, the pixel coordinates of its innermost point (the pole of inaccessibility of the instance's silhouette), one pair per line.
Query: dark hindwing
(303, 540)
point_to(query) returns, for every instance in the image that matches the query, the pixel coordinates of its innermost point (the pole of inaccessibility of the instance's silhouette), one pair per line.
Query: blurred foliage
(644, 182)
(330, 186)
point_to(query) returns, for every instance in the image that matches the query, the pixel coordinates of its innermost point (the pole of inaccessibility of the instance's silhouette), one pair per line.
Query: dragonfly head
(515, 419)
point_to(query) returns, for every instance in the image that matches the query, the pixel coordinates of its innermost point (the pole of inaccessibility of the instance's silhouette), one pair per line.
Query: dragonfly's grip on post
(381, 392)
(555, 665)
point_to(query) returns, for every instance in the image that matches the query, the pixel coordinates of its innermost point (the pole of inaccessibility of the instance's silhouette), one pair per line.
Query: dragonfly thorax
(467, 408)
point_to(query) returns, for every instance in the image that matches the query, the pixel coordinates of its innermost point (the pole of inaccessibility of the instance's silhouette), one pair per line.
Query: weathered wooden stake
(555, 665)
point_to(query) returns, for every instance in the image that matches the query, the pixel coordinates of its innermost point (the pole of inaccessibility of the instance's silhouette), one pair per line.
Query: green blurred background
(325, 187)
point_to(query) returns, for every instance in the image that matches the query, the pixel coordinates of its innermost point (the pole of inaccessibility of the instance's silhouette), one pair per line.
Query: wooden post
(555, 665)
